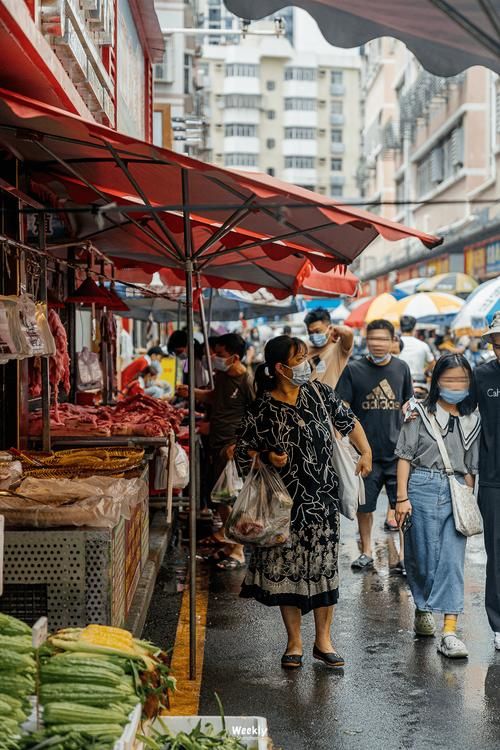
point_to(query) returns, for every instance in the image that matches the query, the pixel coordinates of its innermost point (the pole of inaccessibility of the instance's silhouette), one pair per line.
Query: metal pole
(192, 427)
(205, 334)
(210, 306)
(44, 361)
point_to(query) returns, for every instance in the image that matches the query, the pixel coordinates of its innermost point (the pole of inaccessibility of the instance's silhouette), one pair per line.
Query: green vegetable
(92, 730)
(74, 713)
(82, 673)
(12, 626)
(16, 685)
(87, 695)
(22, 644)
(99, 661)
(14, 662)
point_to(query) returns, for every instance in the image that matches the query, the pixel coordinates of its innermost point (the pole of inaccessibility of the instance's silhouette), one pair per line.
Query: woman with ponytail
(288, 427)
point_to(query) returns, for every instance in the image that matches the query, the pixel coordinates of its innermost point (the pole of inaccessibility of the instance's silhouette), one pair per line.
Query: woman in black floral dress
(287, 426)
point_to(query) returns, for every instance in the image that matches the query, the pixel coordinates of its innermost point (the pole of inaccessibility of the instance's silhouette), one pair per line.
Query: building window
(240, 160)
(301, 103)
(242, 70)
(270, 85)
(336, 135)
(188, 76)
(271, 114)
(300, 74)
(270, 143)
(400, 190)
(337, 191)
(299, 162)
(337, 107)
(442, 162)
(336, 165)
(164, 71)
(214, 15)
(337, 77)
(242, 101)
(304, 134)
(240, 130)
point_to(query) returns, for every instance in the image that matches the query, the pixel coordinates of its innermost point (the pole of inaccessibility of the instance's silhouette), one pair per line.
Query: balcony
(336, 119)
(337, 148)
(337, 180)
(417, 101)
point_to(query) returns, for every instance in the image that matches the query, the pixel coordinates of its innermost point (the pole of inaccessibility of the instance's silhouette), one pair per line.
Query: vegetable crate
(72, 577)
(252, 731)
(136, 548)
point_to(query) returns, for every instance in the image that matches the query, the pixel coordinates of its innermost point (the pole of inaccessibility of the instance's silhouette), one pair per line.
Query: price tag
(2, 527)
(39, 632)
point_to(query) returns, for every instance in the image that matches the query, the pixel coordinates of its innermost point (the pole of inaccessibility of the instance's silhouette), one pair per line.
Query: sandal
(211, 541)
(291, 661)
(230, 563)
(391, 526)
(362, 562)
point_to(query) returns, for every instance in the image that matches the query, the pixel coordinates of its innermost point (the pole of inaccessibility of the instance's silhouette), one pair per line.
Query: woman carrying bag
(289, 427)
(438, 452)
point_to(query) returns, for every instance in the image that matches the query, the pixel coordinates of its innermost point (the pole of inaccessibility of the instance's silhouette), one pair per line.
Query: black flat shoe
(291, 661)
(331, 660)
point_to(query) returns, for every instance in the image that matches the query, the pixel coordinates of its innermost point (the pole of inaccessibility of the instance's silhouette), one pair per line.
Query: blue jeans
(434, 550)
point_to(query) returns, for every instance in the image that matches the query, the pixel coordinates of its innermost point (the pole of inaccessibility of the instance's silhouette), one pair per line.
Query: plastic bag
(261, 513)
(227, 486)
(180, 468)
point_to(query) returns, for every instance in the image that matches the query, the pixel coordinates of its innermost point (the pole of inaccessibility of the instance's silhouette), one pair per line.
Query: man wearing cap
(487, 378)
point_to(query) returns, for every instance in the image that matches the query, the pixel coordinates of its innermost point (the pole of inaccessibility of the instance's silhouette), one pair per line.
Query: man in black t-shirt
(376, 387)
(487, 377)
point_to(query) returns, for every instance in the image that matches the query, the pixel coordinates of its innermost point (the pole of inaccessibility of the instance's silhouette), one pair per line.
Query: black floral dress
(305, 573)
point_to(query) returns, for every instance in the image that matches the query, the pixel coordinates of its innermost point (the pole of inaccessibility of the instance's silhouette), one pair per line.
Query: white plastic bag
(228, 485)
(180, 468)
(262, 511)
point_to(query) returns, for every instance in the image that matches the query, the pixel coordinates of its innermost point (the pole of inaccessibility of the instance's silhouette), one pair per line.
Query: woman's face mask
(453, 397)
(300, 373)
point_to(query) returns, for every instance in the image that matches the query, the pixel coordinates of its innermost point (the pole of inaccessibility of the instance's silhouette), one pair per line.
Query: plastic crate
(251, 730)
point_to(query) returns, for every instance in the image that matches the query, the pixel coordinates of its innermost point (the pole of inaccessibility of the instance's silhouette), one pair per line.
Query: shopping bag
(228, 485)
(262, 511)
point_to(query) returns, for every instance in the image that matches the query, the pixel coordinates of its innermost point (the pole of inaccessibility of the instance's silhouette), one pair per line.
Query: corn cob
(75, 713)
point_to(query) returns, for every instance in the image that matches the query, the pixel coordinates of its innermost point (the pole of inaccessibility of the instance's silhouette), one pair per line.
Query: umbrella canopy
(339, 314)
(373, 308)
(432, 307)
(478, 310)
(405, 288)
(452, 283)
(447, 37)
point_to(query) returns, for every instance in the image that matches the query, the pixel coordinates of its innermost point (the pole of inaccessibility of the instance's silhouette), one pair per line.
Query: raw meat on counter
(139, 415)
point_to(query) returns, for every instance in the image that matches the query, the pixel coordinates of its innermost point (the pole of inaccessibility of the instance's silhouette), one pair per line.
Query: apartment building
(291, 113)
(431, 145)
(93, 58)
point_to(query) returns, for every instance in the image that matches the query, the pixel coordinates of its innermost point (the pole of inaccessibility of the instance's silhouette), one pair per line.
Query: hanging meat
(59, 373)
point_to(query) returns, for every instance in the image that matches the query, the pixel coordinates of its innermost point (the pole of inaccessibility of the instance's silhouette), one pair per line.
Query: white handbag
(466, 513)
(351, 485)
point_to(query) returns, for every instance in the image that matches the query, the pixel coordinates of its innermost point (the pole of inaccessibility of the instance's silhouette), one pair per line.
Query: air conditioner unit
(322, 131)
(322, 102)
(322, 161)
(219, 125)
(321, 72)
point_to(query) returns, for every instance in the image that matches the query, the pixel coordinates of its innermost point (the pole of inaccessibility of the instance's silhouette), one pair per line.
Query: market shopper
(487, 378)
(288, 427)
(330, 346)
(376, 387)
(178, 345)
(416, 353)
(434, 549)
(229, 400)
(152, 359)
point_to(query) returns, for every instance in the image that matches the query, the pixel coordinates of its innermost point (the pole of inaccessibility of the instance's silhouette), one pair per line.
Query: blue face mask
(378, 360)
(453, 397)
(318, 339)
(156, 366)
(300, 373)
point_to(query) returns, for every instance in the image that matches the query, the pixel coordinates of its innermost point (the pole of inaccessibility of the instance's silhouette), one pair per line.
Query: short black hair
(381, 325)
(232, 343)
(318, 315)
(407, 323)
(156, 350)
(212, 341)
(177, 340)
(446, 362)
(400, 341)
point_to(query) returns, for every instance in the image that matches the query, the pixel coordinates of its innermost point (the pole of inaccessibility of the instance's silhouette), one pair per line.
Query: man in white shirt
(417, 354)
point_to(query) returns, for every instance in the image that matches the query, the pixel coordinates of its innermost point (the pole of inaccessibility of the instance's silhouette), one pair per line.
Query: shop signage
(483, 258)
(493, 257)
(39, 632)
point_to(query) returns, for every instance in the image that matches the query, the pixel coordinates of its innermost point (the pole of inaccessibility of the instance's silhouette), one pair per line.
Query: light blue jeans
(434, 550)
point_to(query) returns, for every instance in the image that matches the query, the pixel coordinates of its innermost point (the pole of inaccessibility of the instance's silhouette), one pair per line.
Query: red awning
(243, 226)
(447, 37)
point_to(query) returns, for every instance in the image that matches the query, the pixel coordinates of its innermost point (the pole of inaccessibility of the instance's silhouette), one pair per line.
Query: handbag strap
(441, 445)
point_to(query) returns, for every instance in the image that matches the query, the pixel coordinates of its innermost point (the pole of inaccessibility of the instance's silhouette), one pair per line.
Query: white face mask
(222, 364)
(300, 373)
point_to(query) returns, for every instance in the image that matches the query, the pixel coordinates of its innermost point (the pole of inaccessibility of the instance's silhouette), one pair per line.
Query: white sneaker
(452, 647)
(424, 623)
(497, 641)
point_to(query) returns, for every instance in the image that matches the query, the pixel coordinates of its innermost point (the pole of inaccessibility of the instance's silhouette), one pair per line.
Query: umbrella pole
(210, 306)
(205, 335)
(188, 267)
(44, 361)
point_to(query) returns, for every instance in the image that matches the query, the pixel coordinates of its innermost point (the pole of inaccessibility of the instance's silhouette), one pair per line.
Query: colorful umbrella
(451, 283)
(431, 307)
(479, 309)
(410, 286)
(370, 309)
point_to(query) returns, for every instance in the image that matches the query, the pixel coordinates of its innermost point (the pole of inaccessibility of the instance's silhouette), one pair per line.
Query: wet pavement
(395, 693)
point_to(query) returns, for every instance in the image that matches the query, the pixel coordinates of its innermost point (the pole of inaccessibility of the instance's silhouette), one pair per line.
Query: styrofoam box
(251, 730)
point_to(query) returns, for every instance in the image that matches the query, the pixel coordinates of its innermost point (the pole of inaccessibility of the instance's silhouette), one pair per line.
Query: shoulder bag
(466, 511)
(351, 485)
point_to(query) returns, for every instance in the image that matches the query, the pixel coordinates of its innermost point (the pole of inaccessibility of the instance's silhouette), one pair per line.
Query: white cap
(495, 325)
